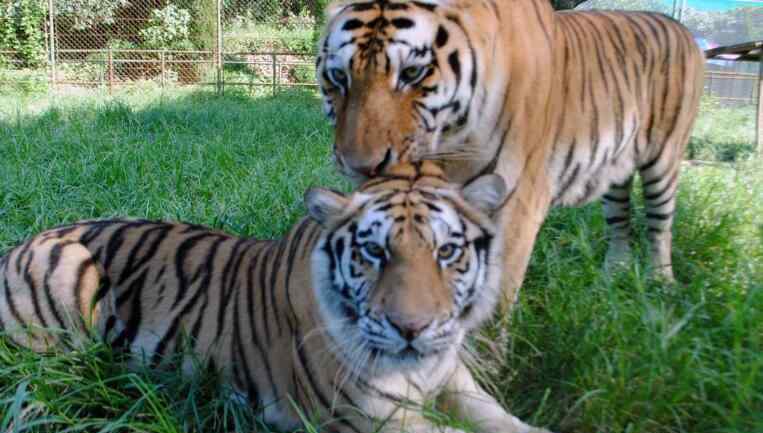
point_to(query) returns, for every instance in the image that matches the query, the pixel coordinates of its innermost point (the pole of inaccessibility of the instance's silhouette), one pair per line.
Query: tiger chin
(357, 315)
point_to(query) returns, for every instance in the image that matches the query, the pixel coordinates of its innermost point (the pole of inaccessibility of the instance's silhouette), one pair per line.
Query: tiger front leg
(521, 217)
(419, 425)
(473, 403)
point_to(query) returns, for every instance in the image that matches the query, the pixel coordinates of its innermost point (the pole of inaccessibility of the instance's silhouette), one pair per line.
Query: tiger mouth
(408, 354)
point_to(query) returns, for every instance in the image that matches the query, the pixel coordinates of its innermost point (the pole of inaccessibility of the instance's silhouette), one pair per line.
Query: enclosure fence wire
(251, 44)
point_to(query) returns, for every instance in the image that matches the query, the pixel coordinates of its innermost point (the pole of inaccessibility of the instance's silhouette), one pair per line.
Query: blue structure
(720, 5)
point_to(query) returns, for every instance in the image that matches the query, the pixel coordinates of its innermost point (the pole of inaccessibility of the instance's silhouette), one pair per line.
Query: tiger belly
(582, 175)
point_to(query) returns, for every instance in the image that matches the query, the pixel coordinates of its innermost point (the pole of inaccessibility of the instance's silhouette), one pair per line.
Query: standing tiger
(364, 306)
(566, 107)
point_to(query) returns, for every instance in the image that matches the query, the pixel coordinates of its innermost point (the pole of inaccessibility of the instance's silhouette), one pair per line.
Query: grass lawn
(583, 352)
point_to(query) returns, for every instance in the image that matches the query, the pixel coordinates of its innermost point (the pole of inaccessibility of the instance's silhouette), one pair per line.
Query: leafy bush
(23, 81)
(722, 133)
(88, 13)
(203, 26)
(21, 30)
(168, 28)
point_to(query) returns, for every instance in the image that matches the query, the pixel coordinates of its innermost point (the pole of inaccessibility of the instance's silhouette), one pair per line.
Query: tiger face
(398, 80)
(407, 266)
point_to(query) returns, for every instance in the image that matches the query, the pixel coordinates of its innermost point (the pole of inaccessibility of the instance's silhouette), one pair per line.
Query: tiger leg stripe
(660, 184)
(617, 211)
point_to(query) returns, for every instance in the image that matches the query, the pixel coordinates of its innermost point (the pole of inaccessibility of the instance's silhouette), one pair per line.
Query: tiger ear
(324, 205)
(487, 193)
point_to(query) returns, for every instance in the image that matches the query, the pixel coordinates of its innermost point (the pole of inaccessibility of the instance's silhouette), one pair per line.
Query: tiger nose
(408, 328)
(372, 167)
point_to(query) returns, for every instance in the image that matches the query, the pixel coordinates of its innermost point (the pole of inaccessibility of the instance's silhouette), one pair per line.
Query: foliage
(27, 81)
(633, 5)
(203, 27)
(89, 13)
(727, 27)
(244, 36)
(722, 27)
(723, 133)
(168, 28)
(565, 4)
(22, 25)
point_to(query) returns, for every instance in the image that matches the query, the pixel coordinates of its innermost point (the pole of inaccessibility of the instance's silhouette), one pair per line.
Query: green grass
(723, 133)
(582, 353)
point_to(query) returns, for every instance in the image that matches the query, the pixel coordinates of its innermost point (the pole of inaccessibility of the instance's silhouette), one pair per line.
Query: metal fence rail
(217, 43)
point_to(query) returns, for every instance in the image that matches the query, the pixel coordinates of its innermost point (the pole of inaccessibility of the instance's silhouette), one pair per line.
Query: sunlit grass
(584, 352)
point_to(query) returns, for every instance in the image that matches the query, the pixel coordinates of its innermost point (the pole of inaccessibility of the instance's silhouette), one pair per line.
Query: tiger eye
(447, 251)
(374, 250)
(412, 72)
(338, 75)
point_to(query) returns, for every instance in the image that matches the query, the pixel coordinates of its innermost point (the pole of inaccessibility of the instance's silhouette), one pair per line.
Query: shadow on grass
(233, 162)
(236, 162)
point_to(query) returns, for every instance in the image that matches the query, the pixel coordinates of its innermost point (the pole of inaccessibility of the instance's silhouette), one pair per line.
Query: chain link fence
(255, 43)
(109, 43)
(713, 23)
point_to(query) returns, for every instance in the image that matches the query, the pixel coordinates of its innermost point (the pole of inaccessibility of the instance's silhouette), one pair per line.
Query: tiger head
(399, 81)
(407, 264)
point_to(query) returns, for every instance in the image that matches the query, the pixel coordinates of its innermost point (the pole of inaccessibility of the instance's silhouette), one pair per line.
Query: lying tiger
(362, 306)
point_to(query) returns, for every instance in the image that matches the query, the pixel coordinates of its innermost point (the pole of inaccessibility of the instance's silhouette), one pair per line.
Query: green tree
(21, 30)
(89, 13)
(566, 4)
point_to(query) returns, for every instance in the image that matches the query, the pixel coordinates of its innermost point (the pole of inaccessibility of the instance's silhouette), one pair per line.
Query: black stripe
(352, 24)
(275, 271)
(54, 260)
(441, 38)
(402, 23)
(204, 289)
(133, 263)
(251, 386)
(180, 255)
(114, 245)
(127, 336)
(227, 284)
(659, 216)
(81, 269)
(617, 220)
(21, 254)
(264, 304)
(27, 275)
(316, 390)
(9, 297)
(259, 265)
(667, 200)
(614, 199)
(294, 246)
(668, 185)
(427, 6)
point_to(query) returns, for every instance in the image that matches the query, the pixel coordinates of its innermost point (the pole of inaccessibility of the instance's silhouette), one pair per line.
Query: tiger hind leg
(47, 289)
(617, 211)
(660, 183)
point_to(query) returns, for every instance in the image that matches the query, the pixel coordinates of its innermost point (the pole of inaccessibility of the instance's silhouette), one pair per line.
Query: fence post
(52, 43)
(111, 70)
(163, 65)
(219, 48)
(275, 72)
(759, 126)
